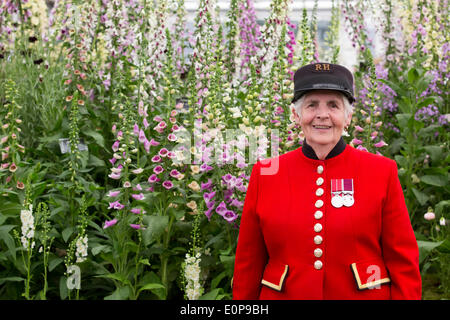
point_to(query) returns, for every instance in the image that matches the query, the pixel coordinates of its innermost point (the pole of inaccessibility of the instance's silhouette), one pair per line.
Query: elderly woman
(325, 221)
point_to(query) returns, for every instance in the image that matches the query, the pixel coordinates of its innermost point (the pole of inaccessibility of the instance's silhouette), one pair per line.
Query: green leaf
(145, 262)
(413, 75)
(401, 160)
(405, 105)
(420, 236)
(152, 286)
(177, 214)
(95, 162)
(430, 130)
(120, 294)
(131, 246)
(438, 181)
(2, 219)
(63, 291)
(12, 279)
(67, 232)
(216, 281)
(396, 145)
(425, 247)
(10, 208)
(115, 276)
(420, 196)
(48, 139)
(227, 259)
(426, 102)
(100, 248)
(154, 228)
(8, 239)
(445, 247)
(54, 263)
(96, 136)
(152, 278)
(403, 119)
(439, 208)
(212, 295)
(435, 152)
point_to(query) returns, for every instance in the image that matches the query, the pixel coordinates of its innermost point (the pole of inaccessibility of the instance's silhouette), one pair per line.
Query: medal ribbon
(348, 185)
(337, 185)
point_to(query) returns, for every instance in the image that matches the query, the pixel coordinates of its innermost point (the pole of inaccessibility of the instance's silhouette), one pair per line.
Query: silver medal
(337, 201)
(348, 200)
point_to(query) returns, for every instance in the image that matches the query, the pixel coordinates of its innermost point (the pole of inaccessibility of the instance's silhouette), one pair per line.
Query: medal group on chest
(342, 193)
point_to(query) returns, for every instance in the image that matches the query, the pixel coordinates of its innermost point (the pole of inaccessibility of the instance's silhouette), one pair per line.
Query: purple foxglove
(156, 158)
(174, 173)
(221, 208)
(113, 193)
(142, 137)
(380, 144)
(109, 223)
(115, 146)
(116, 205)
(163, 152)
(167, 184)
(230, 216)
(154, 143)
(158, 169)
(115, 176)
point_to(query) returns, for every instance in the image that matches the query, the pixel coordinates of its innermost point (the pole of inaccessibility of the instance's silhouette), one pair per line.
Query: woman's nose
(322, 113)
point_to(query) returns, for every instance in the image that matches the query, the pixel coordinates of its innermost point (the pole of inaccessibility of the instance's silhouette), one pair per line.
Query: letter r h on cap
(326, 67)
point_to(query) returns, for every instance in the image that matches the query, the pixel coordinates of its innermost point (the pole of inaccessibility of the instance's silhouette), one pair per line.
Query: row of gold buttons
(318, 215)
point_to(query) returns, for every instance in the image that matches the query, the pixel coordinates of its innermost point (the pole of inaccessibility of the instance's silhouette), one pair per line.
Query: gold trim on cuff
(369, 284)
(279, 286)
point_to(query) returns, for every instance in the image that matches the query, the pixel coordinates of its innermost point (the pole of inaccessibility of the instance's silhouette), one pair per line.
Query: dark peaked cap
(323, 76)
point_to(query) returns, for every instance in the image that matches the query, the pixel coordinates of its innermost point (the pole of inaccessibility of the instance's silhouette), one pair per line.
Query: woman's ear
(349, 119)
(295, 115)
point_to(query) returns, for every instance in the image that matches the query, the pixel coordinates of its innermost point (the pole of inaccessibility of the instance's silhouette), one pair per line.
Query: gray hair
(348, 108)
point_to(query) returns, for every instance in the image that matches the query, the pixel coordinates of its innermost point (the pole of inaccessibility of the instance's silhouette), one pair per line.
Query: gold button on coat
(317, 227)
(318, 214)
(319, 181)
(318, 264)
(320, 169)
(318, 239)
(319, 192)
(318, 253)
(319, 204)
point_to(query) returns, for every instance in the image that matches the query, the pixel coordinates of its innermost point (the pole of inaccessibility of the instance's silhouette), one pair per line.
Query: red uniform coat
(288, 250)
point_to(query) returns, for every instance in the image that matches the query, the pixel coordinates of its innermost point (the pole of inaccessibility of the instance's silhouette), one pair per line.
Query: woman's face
(323, 118)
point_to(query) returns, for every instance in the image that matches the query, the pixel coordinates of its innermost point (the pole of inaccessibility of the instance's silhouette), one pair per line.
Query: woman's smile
(321, 127)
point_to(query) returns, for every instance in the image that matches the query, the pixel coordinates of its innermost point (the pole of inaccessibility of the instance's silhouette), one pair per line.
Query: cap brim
(300, 93)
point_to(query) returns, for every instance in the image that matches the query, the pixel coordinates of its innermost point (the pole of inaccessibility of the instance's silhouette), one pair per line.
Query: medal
(336, 201)
(336, 192)
(348, 200)
(348, 193)
(342, 193)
